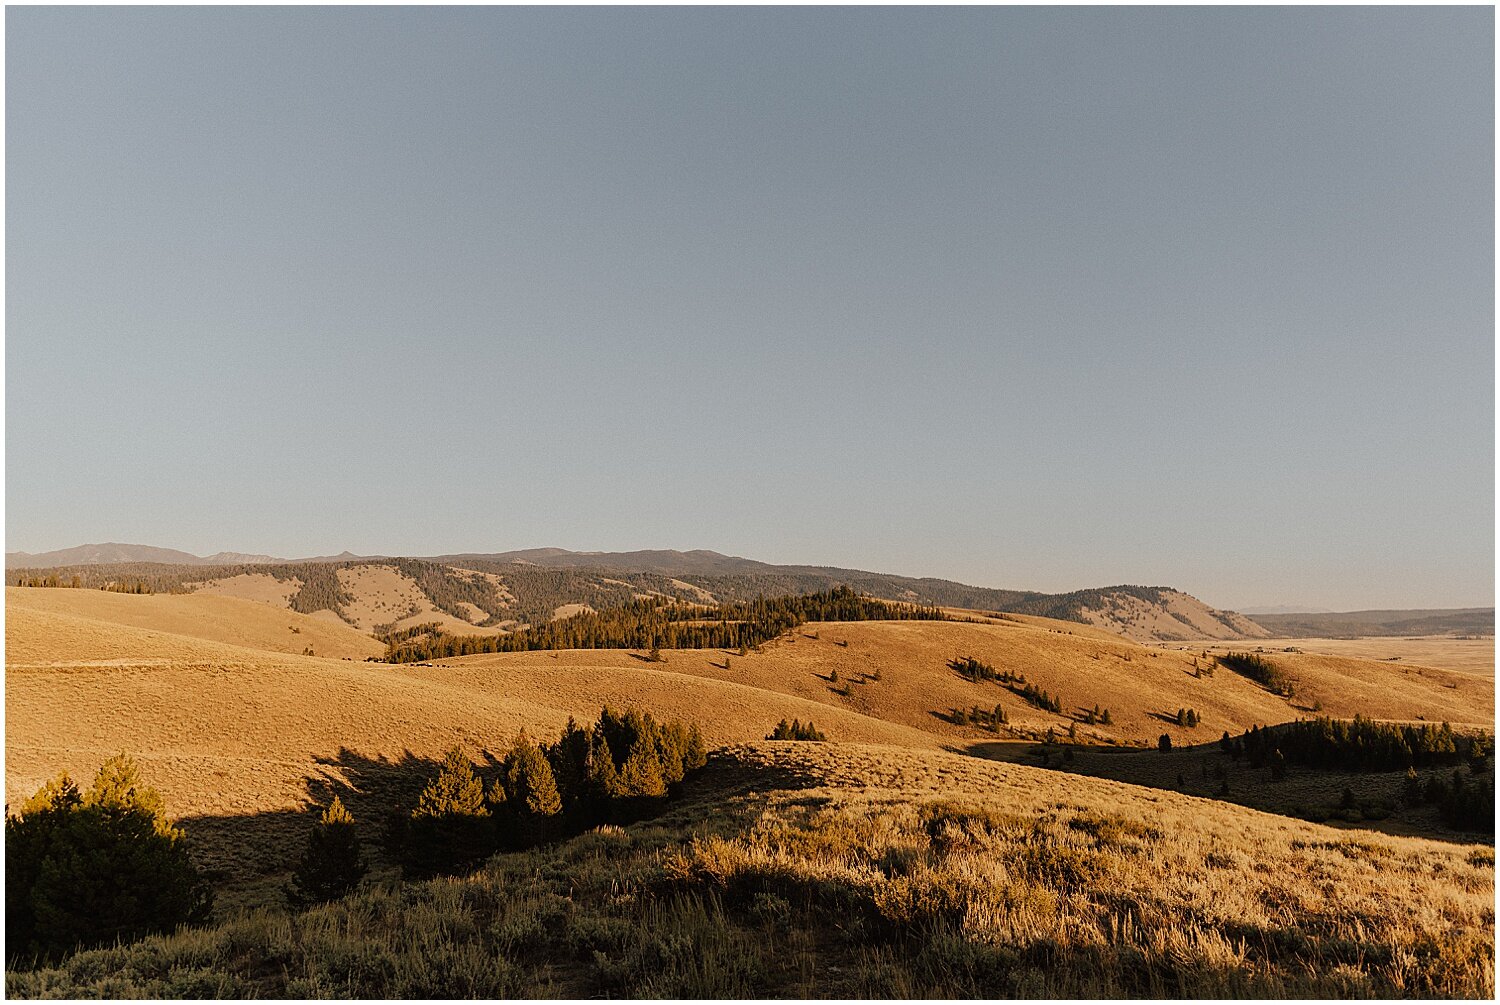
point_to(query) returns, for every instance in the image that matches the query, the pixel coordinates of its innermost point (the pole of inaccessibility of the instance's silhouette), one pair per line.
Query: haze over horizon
(1041, 299)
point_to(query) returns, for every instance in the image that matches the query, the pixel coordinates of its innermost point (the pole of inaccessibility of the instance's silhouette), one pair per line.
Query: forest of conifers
(657, 624)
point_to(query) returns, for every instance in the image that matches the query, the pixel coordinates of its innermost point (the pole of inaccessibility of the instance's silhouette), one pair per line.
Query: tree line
(1359, 744)
(660, 624)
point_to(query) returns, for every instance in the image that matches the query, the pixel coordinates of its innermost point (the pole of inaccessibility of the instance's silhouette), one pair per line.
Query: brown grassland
(885, 863)
(809, 870)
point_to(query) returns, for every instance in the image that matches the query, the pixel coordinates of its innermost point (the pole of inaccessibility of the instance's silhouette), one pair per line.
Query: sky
(1029, 298)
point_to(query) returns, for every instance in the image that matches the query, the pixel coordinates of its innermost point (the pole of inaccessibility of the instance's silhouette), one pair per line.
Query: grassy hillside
(807, 870)
(206, 616)
(232, 733)
(467, 593)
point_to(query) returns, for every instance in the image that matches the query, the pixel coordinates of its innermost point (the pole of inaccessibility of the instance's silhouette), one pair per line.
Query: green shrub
(88, 868)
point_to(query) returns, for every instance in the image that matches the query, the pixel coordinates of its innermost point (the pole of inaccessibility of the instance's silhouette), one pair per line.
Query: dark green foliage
(1469, 804)
(330, 865)
(972, 669)
(796, 730)
(653, 623)
(90, 868)
(1164, 743)
(525, 799)
(1361, 744)
(1411, 788)
(618, 770)
(450, 830)
(1262, 671)
(1037, 697)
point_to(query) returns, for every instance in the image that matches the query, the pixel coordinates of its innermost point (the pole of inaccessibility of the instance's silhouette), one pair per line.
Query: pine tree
(87, 868)
(1411, 788)
(1278, 765)
(532, 805)
(1164, 743)
(330, 865)
(451, 829)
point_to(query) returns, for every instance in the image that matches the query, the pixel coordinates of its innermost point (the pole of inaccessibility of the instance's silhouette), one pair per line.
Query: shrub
(330, 865)
(87, 868)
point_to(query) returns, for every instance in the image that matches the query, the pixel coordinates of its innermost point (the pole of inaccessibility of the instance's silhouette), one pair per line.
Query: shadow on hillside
(247, 856)
(239, 849)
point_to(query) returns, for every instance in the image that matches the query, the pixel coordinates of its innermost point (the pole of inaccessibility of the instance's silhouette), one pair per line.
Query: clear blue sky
(1037, 298)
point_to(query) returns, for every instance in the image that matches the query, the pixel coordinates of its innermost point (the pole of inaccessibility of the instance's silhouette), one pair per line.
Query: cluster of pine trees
(1038, 697)
(659, 624)
(796, 730)
(1097, 715)
(977, 670)
(1265, 673)
(1359, 744)
(617, 770)
(1187, 717)
(52, 581)
(991, 719)
(1465, 801)
(75, 582)
(972, 669)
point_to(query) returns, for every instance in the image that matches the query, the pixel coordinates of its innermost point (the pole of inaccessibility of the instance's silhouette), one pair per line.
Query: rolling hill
(472, 593)
(211, 694)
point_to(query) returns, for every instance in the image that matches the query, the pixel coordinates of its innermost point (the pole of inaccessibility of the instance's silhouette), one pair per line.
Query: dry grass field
(1468, 655)
(844, 870)
(1143, 890)
(211, 617)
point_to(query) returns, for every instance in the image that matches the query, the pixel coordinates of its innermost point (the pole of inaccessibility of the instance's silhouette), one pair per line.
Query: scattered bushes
(89, 868)
(796, 731)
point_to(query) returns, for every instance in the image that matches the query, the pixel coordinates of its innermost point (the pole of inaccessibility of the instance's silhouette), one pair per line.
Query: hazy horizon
(1027, 298)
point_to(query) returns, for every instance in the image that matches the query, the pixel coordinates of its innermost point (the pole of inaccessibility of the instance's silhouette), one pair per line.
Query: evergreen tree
(532, 806)
(1164, 743)
(89, 868)
(450, 830)
(330, 865)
